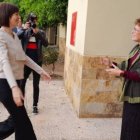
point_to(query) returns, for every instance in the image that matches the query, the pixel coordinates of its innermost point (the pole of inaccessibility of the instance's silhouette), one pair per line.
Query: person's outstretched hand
(45, 76)
(113, 71)
(17, 96)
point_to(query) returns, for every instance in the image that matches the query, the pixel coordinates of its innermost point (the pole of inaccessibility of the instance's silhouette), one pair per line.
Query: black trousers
(22, 124)
(36, 79)
(130, 122)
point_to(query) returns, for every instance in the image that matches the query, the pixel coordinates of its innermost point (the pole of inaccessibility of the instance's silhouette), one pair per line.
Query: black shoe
(35, 110)
(7, 128)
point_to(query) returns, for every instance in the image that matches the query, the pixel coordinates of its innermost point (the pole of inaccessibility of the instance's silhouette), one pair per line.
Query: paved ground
(58, 121)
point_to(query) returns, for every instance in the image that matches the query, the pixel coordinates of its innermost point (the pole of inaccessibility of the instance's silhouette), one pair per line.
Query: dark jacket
(40, 37)
(131, 88)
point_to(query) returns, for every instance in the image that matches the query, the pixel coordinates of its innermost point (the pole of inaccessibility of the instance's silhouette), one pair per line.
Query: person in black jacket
(32, 41)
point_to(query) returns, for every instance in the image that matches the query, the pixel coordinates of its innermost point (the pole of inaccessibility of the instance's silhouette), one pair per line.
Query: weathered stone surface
(87, 83)
(62, 46)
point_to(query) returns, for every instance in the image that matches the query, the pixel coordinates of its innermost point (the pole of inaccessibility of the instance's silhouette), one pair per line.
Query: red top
(32, 45)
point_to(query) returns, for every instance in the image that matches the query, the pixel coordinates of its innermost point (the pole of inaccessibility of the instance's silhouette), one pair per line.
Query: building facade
(96, 29)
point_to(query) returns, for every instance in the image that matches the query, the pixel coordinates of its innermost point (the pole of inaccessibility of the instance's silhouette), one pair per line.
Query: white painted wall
(81, 7)
(103, 26)
(109, 26)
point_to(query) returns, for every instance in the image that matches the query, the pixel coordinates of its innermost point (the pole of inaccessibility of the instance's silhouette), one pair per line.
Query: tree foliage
(49, 12)
(56, 11)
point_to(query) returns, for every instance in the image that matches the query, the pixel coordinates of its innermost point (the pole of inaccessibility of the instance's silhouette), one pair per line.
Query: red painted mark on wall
(73, 28)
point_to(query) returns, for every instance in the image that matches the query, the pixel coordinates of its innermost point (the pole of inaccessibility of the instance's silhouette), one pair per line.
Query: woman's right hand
(17, 96)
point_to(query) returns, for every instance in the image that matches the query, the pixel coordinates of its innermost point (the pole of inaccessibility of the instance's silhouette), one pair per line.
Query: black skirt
(130, 122)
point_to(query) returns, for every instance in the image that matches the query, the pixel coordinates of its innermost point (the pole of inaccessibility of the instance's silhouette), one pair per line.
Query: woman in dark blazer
(130, 71)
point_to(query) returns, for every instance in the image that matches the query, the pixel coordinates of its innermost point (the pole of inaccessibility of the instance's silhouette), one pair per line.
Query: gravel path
(58, 121)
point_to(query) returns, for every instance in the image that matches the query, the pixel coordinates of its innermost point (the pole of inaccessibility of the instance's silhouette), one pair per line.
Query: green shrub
(50, 56)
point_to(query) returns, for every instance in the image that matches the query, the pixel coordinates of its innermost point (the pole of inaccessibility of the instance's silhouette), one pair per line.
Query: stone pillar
(96, 29)
(62, 39)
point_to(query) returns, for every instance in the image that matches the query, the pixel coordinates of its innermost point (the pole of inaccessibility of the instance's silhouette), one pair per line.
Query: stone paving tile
(58, 121)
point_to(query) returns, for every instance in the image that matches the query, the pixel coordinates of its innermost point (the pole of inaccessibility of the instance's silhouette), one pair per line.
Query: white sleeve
(6, 67)
(30, 63)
